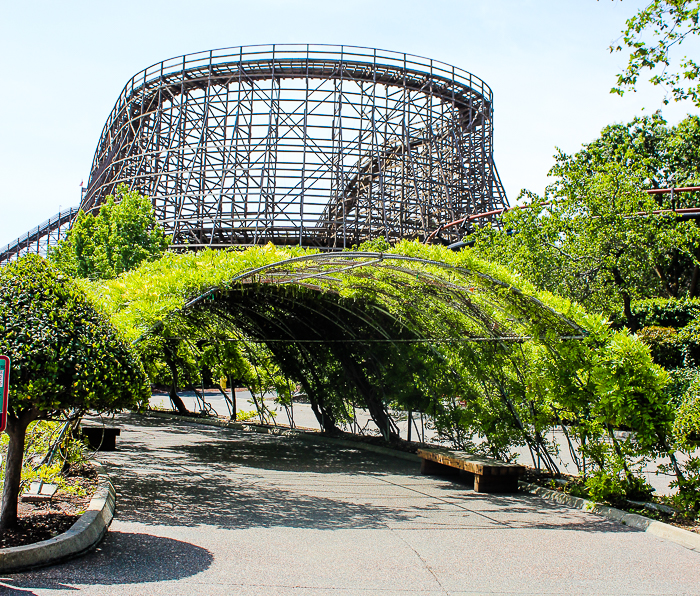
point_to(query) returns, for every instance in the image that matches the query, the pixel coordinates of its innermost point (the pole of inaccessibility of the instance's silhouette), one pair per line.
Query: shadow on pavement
(122, 558)
(195, 475)
(292, 455)
(522, 507)
(213, 445)
(202, 475)
(191, 494)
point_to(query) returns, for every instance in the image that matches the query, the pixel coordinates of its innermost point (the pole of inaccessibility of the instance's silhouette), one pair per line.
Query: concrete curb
(83, 536)
(687, 539)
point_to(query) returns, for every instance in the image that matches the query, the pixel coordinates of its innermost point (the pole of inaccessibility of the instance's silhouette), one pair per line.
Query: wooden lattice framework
(315, 145)
(38, 240)
(323, 146)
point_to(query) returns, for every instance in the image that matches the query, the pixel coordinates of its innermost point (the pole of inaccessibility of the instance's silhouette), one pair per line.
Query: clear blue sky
(64, 63)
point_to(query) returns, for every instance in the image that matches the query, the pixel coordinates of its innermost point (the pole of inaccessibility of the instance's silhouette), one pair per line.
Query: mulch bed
(41, 521)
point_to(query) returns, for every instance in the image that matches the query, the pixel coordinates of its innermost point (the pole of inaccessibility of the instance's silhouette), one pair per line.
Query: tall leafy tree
(652, 36)
(66, 359)
(660, 156)
(596, 236)
(121, 236)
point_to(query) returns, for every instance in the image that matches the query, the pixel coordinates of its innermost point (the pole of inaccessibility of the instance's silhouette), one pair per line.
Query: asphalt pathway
(203, 510)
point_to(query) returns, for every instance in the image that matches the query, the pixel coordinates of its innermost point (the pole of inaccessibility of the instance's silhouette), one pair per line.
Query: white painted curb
(689, 540)
(83, 536)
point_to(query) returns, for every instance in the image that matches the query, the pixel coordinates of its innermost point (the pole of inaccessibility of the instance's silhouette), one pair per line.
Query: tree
(668, 23)
(66, 359)
(660, 156)
(595, 236)
(122, 235)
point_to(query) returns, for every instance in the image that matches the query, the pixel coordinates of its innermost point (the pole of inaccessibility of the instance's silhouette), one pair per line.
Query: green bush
(680, 380)
(687, 498)
(673, 348)
(663, 312)
(245, 416)
(686, 426)
(689, 343)
(664, 344)
(614, 485)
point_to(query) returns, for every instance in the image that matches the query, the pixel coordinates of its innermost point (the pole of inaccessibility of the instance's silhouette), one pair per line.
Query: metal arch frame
(355, 335)
(301, 144)
(324, 265)
(359, 334)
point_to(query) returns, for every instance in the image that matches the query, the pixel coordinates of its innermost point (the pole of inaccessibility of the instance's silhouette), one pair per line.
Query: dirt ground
(44, 520)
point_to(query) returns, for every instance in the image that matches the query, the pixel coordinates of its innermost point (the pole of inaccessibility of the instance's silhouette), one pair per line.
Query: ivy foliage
(122, 235)
(493, 361)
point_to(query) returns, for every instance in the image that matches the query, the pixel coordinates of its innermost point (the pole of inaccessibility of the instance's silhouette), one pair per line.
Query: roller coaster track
(39, 239)
(139, 100)
(260, 144)
(312, 145)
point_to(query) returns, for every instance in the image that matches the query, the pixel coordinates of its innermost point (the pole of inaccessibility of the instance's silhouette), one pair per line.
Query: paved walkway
(304, 417)
(204, 510)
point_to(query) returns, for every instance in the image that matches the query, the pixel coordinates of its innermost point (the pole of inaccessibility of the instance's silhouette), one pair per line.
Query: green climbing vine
(493, 363)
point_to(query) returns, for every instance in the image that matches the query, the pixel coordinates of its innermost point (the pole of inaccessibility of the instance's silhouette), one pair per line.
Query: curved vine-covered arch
(381, 327)
(497, 310)
(493, 362)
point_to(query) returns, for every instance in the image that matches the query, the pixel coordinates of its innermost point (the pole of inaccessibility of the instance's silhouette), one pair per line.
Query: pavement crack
(491, 519)
(422, 560)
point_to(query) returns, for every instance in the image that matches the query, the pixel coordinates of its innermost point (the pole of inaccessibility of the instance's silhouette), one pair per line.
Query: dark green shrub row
(673, 348)
(662, 312)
